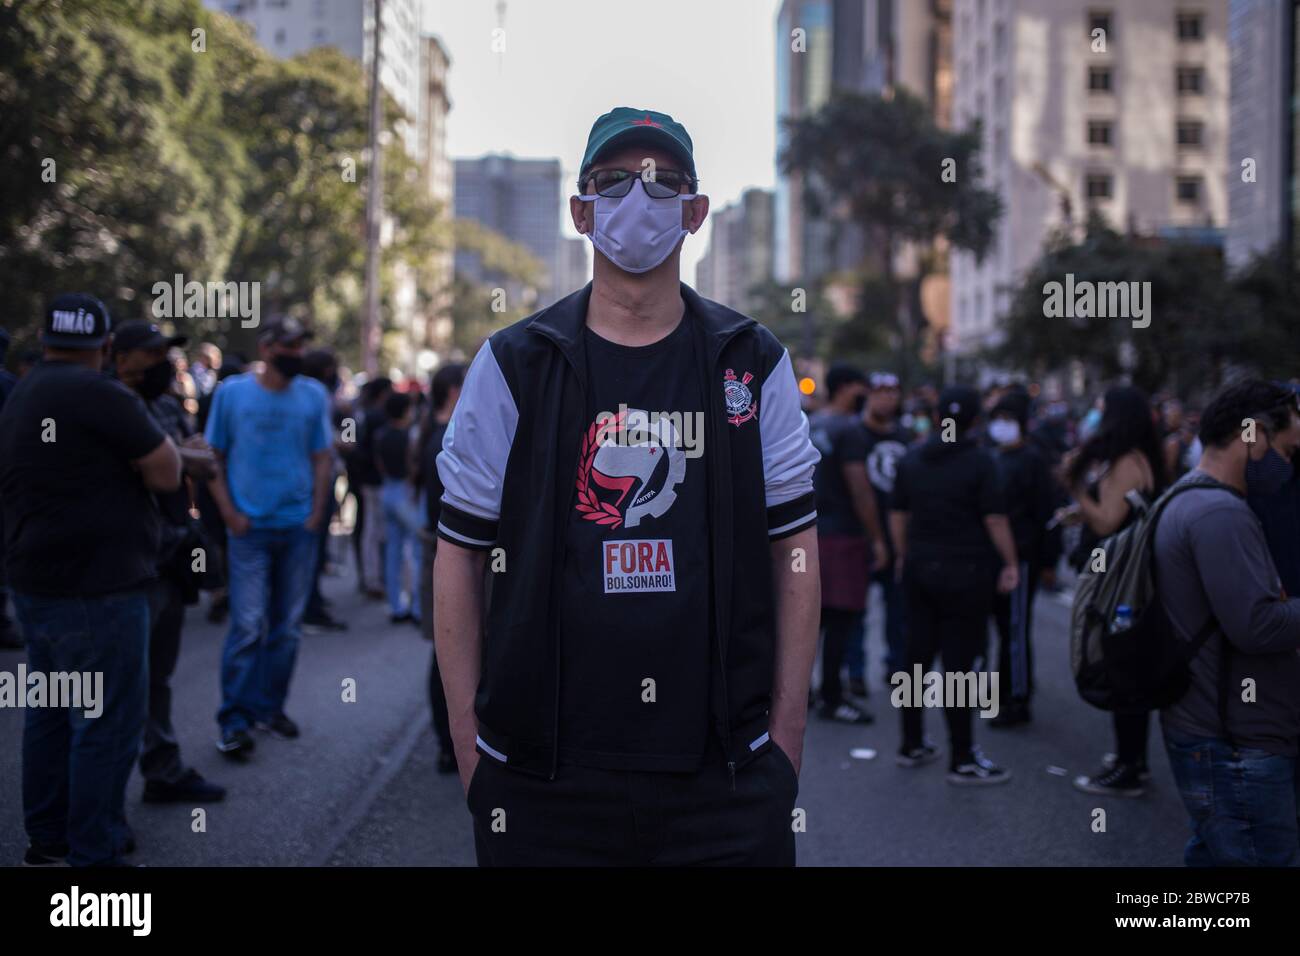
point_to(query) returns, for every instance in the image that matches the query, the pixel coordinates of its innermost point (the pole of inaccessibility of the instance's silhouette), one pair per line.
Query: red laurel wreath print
(589, 506)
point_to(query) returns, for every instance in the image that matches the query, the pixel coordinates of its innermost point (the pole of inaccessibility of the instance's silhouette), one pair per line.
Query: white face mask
(637, 232)
(1004, 431)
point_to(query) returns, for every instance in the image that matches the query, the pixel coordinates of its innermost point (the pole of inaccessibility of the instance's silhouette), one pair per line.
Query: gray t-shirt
(1210, 556)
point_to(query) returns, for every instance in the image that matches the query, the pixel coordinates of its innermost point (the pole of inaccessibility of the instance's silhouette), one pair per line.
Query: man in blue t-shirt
(271, 431)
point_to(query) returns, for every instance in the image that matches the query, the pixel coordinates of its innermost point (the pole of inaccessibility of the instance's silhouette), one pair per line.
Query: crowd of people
(978, 501)
(134, 478)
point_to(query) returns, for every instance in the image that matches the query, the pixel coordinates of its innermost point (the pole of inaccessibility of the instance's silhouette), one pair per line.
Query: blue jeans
(403, 520)
(270, 575)
(75, 767)
(855, 654)
(1243, 803)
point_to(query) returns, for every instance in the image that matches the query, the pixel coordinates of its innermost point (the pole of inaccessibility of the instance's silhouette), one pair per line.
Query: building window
(1100, 132)
(1100, 186)
(1190, 27)
(319, 35)
(1189, 190)
(1099, 79)
(1191, 81)
(1099, 20)
(279, 37)
(1191, 133)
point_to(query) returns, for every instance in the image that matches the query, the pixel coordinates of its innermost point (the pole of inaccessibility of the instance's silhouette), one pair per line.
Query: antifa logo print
(628, 468)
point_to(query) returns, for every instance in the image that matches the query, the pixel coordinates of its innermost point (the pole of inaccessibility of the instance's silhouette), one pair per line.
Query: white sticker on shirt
(633, 567)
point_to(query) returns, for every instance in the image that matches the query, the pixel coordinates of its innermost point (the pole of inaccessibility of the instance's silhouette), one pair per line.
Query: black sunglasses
(617, 183)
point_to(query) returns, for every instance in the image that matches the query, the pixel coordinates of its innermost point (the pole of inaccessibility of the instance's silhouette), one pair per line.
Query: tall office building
(1264, 159)
(289, 27)
(1136, 128)
(521, 200)
(865, 46)
(439, 179)
(739, 256)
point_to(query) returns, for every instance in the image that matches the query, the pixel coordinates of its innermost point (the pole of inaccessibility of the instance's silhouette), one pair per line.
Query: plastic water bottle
(1123, 619)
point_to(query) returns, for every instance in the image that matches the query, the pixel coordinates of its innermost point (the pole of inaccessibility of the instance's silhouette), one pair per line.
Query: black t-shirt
(78, 519)
(635, 638)
(884, 451)
(391, 447)
(948, 488)
(841, 439)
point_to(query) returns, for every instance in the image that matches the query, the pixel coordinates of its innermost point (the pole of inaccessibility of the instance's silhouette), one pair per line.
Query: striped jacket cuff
(791, 517)
(466, 530)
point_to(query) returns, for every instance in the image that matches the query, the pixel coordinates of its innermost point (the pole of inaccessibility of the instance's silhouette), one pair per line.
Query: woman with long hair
(1121, 456)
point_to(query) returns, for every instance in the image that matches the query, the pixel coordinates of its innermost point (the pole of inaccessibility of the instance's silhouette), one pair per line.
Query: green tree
(883, 164)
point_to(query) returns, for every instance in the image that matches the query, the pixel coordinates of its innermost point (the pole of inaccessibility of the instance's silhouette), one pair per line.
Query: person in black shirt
(322, 365)
(847, 522)
(444, 389)
(1031, 498)
(950, 532)
(403, 517)
(364, 480)
(634, 462)
(79, 458)
(886, 442)
(140, 362)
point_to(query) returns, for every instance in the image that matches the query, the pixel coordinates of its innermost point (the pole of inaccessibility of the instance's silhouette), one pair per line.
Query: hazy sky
(707, 63)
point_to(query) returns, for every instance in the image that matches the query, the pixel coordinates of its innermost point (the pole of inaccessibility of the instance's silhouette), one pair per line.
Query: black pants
(948, 603)
(839, 627)
(160, 754)
(588, 817)
(1013, 614)
(1131, 738)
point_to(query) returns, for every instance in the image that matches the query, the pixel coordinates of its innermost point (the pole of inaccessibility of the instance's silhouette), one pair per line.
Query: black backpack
(1144, 666)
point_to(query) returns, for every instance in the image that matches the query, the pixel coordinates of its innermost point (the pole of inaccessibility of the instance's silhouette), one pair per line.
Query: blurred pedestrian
(1234, 755)
(1030, 497)
(271, 432)
(321, 364)
(849, 539)
(79, 458)
(142, 363)
(444, 392)
(954, 547)
(1120, 457)
(9, 636)
(403, 512)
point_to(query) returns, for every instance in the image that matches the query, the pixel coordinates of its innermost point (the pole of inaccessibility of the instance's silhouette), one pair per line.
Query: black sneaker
(1014, 714)
(400, 618)
(236, 744)
(322, 622)
(1120, 780)
(39, 854)
(846, 714)
(977, 770)
(916, 756)
(1109, 760)
(190, 788)
(447, 762)
(281, 726)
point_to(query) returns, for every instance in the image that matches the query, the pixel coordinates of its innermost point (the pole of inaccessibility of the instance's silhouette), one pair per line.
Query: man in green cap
(633, 465)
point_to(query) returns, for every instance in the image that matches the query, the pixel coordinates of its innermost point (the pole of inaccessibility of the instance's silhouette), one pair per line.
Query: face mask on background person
(287, 365)
(1267, 476)
(156, 379)
(1004, 431)
(637, 232)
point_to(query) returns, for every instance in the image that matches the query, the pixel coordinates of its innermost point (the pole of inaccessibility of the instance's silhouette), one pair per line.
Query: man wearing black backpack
(1232, 737)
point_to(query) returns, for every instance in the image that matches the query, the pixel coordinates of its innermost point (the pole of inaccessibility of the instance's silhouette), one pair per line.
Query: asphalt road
(359, 787)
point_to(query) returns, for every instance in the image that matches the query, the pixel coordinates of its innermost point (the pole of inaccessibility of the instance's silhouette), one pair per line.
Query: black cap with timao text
(76, 321)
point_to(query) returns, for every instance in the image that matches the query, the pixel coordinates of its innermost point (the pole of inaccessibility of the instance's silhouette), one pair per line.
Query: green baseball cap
(625, 126)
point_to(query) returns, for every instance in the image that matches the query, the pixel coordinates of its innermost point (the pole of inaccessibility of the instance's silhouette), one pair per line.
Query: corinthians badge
(741, 406)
